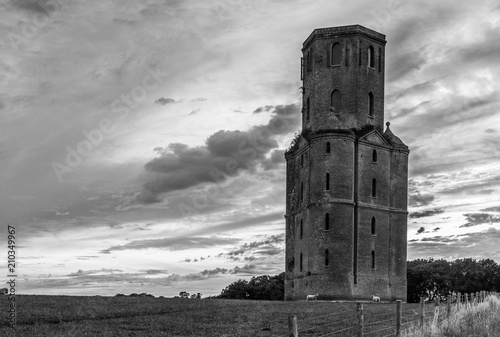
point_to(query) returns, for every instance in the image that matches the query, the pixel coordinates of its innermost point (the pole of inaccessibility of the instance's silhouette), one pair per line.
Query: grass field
(144, 316)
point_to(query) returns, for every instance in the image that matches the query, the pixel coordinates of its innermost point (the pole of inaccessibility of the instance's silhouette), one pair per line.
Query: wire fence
(383, 320)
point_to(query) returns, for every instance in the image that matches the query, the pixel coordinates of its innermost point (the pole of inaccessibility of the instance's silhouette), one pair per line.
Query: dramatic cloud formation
(225, 154)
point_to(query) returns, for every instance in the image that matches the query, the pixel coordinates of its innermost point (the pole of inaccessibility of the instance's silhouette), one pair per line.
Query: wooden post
(478, 299)
(448, 307)
(422, 313)
(399, 307)
(466, 300)
(292, 326)
(360, 319)
(436, 316)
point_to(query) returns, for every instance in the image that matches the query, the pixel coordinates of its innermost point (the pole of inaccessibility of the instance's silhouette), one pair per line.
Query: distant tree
(271, 288)
(438, 278)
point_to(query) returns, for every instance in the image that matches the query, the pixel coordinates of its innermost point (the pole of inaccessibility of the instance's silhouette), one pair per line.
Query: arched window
(336, 54)
(374, 225)
(327, 260)
(335, 101)
(371, 57)
(374, 187)
(374, 156)
(301, 229)
(370, 103)
(327, 221)
(300, 262)
(373, 259)
(327, 182)
(308, 108)
(328, 148)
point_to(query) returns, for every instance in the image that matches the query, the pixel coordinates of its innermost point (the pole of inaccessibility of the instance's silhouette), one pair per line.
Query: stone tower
(347, 178)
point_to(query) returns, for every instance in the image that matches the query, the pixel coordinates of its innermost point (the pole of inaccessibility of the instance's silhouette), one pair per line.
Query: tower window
(327, 182)
(308, 108)
(327, 260)
(336, 54)
(371, 57)
(374, 187)
(301, 191)
(301, 229)
(374, 156)
(335, 102)
(328, 148)
(374, 224)
(327, 221)
(370, 104)
(373, 260)
(300, 262)
(302, 159)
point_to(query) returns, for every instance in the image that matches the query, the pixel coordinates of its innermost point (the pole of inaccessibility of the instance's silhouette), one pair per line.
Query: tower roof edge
(344, 30)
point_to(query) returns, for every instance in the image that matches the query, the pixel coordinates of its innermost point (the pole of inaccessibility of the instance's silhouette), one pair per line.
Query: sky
(141, 142)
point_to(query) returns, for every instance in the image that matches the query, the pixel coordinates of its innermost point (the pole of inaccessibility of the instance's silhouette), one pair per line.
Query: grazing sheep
(4, 291)
(312, 297)
(375, 298)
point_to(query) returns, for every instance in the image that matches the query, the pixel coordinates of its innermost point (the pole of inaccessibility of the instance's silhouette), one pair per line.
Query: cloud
(417, 199)
(490, 131)
(29, 5)
(420, 230)
(262, 109)
(225, 154)
(427, 213)
(253, 246)
(173, 244)
(475, 219)
(492, 209)
(165, 101)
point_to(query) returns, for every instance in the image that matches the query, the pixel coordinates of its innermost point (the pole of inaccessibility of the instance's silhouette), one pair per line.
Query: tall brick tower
(347, 178)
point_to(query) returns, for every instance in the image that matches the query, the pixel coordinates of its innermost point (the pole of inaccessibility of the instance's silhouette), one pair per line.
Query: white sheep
(375, 298)
(312, 297)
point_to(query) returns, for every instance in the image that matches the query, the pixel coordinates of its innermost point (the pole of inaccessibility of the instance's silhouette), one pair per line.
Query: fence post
(459, 299)
(448, 307)
(422, 313)
(478, 299)
(399, 307)
(360, 319)
(292, 326)
(466, 300)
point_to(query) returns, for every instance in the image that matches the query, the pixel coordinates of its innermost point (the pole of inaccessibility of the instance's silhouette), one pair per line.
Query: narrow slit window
(374, 225)
(301, 191)
(327, 221)
(374, 156)
(336, 54)
(374, 187)
(327, 258)
(370, 103)
(371, 57)
(328, 148)
(373, 260)
(302, 159)
(300, 262)
(301, 229)
(335, 101)
(327, 181)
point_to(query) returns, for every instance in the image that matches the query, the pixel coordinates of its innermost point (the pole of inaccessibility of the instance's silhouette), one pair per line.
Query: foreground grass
(479, 320)
(144, 316)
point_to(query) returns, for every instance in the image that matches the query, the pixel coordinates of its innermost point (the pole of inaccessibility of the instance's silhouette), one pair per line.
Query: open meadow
(148, 316)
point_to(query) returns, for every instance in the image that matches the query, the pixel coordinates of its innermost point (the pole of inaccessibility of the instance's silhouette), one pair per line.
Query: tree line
(427, 278)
